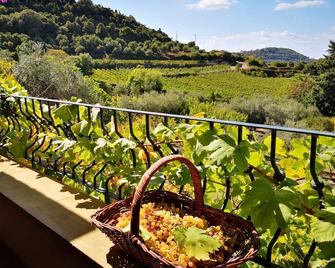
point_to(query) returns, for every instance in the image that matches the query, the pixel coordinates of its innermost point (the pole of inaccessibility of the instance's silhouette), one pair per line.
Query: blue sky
(235, 25)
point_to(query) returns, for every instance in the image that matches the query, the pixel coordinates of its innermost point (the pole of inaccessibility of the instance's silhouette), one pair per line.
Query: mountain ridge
(277, 54)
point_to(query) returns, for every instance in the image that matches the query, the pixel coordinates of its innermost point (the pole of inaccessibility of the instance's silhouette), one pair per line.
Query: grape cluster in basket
(182, 239)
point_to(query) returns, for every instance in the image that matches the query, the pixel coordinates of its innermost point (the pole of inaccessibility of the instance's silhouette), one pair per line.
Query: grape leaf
(327, 250)
(220, 151)
(64, 114)
(300, 149)
(323, 229)
(144, 233)
(240, 160)
(196, 242)
(101, 143)
(180, 236)
(267, 206)
(94, 113)
(125, 144)
(64, 145)
(280, 145)
(82, 128)
(162, 132)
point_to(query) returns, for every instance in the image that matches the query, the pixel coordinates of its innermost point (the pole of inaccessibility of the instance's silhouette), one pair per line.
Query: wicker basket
(238, 229)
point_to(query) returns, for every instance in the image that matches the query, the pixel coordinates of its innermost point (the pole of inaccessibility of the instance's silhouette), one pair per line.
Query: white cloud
(299, 4)
(212, 4)
(314, 46)
(332, 28)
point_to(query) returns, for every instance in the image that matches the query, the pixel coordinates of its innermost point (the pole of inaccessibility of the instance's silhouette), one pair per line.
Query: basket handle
(140, 189)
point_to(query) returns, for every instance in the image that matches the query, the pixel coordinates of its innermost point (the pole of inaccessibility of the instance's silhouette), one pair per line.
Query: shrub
(325, 93)
(57, 53)
(6, 55)
(30, 48)
(319, 123)
(251, 107)
(299, 66)
(142, 80)
(280, 64)
(166, 103)
(302, 90)
(120, 90)
(252, 61)
(214, 110)
(47, 77)
(5, 67)
(278, 111)
(85, 63)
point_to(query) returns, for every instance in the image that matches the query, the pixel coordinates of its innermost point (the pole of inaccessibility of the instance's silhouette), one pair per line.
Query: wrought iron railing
(38, 112)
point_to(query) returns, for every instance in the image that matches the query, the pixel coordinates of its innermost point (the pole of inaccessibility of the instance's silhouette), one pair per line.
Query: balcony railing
(35, 117)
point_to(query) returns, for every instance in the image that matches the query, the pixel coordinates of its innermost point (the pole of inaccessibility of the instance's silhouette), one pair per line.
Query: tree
(302, 90)
(89, 43)
(85, 63)
(331, 48)
(47, 77)
(101, 31)
(142, 80)
(12, 41)
(44, 20)
(127, 34)
(132, 45)
(112, 46)
(88, 27)
(253, 61)
(34, 24)
(84, 5)
(325, 93)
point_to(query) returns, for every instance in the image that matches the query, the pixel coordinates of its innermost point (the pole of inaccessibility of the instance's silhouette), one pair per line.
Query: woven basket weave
(240, 230)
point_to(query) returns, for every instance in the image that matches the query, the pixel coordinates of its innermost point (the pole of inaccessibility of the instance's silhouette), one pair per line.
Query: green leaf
(323, 229)
(327, 250)
(269, 207)
(183, 176)
(144, 233)
(280, 145)
(229, 140)
(179, 234)
(64, 145)
(162, 132)
(240, 160)
(94, 113)
(101, 143)
(125, 144)
(300, 148)
(64, 114)
(196, 242)
(221, 151)
(199, 153)
(83, 128)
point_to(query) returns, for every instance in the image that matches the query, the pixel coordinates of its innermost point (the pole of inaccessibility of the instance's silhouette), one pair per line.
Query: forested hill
(83, 27)
(277, 54)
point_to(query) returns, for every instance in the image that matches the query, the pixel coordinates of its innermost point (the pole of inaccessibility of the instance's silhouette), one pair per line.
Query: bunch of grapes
(160, 220)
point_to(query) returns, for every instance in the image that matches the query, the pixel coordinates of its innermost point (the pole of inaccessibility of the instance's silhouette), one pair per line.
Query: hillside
(83, 27)
(277, 54)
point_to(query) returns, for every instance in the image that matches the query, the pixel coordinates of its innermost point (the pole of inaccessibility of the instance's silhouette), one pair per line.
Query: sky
(234, 25)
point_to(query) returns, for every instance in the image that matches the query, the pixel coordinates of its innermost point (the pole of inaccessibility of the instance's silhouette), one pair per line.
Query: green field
(217, 79)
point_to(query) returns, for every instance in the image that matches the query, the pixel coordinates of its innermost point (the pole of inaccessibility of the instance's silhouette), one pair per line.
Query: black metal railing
(38, 112)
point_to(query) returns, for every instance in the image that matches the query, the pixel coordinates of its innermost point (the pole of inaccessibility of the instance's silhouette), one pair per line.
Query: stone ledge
(60, 208)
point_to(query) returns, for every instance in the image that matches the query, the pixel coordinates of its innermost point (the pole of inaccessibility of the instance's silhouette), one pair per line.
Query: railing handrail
(190, 118)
